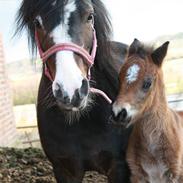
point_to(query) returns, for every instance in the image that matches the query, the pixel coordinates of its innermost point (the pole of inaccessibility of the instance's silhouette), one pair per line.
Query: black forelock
(30, 9)
(28, 12)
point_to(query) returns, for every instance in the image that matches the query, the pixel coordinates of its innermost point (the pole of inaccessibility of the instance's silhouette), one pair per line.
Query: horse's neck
(107, 66)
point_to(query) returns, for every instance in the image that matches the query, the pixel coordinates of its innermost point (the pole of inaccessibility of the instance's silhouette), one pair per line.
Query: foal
(155, 150)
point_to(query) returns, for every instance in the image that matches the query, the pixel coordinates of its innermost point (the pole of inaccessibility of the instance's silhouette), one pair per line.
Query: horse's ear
(134, 47)
(159, 54)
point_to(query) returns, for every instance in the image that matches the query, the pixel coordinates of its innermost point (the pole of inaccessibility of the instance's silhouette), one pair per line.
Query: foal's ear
(134, 47)
(159, 54)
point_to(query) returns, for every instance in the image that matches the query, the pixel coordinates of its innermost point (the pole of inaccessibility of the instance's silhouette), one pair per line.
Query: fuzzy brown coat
(155, 149)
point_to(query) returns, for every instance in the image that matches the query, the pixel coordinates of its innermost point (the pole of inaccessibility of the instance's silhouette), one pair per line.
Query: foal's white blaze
(116, 108)
(67, 72)
(132, 73)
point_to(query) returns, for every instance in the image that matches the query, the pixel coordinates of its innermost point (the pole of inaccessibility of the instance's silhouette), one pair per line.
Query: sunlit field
(25, 87)
(173, 76)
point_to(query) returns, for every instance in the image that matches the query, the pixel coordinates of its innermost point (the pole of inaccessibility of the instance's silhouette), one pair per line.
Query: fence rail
(26, 127)
(28, 141)
(176, 101)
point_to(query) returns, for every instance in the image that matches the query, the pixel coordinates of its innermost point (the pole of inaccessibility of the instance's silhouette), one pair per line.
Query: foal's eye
(90, 18)
(146, 85)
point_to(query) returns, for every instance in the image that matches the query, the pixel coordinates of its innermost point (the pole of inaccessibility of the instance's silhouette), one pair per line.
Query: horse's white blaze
(67, 72)
(132, 73)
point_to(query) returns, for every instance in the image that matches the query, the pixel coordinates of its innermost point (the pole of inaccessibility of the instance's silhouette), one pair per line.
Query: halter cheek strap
(89, 59)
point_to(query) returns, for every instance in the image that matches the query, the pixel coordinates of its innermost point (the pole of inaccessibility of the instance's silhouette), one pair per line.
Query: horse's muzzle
(77, 100)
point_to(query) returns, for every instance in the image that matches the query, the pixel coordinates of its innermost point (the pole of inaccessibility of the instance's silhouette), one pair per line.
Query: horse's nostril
(84, 89)
(61, 95)
(76, 100)
(58, 93)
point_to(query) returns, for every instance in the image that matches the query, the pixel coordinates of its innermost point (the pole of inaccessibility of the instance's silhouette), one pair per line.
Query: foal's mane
(30, 9)
(142, 50)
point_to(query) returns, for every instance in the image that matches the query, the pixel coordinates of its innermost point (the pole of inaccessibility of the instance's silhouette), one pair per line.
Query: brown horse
(155, 150)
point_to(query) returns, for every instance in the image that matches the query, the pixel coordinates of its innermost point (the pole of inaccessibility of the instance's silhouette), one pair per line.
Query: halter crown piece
(89, 59)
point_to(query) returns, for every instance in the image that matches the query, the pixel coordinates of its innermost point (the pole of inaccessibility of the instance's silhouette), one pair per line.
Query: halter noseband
(89, 59)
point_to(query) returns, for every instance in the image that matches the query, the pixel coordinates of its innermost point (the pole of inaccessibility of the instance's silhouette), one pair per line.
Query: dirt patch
(31, 166)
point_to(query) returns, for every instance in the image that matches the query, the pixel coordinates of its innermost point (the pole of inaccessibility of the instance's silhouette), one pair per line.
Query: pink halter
(89, 59)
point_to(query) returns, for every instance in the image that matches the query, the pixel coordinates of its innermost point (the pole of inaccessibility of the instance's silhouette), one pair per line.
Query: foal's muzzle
(121, 119)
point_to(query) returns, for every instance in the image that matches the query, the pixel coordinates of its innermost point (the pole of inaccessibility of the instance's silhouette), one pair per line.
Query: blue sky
(142, 19)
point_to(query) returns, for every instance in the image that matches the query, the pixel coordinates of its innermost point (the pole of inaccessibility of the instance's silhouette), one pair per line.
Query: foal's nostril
(114, 117)
(121, 116)
(84, 89)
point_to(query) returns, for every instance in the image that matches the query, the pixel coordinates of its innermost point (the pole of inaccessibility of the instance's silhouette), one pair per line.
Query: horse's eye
(91, 17)
(146, 85)
(37, 23)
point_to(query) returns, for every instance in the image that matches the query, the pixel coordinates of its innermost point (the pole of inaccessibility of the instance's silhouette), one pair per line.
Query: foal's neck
(155, 119)
(159, 106)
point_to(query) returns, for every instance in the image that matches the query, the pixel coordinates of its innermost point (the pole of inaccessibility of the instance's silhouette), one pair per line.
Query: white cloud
(145, 19)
